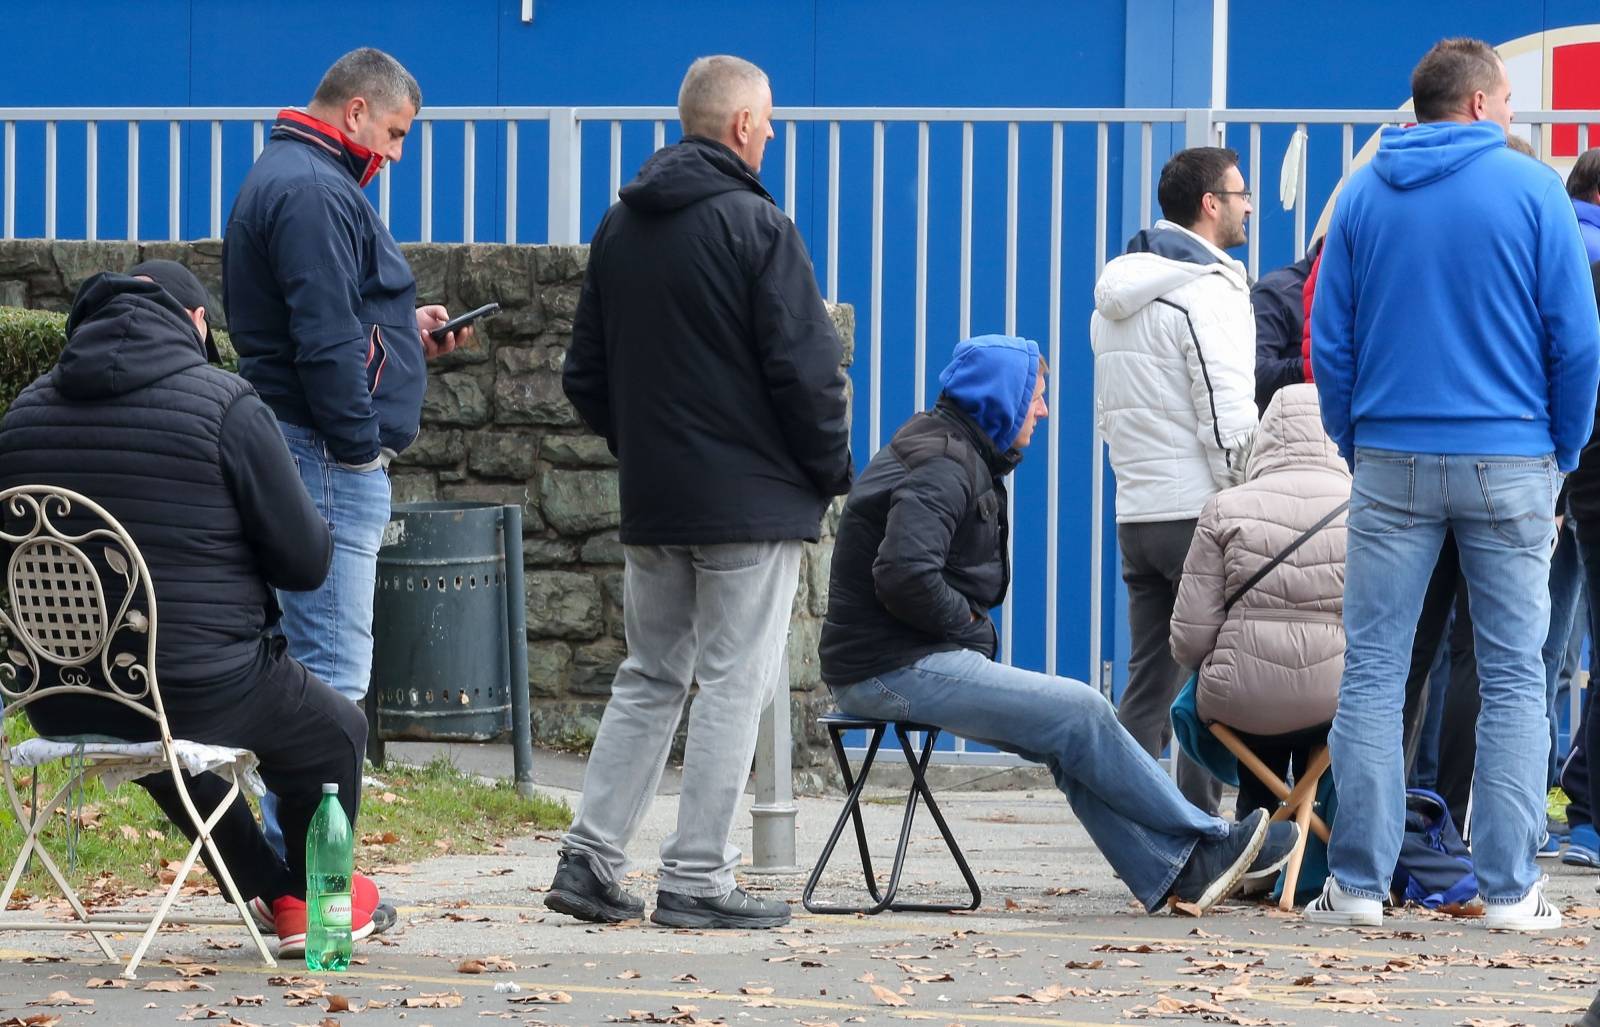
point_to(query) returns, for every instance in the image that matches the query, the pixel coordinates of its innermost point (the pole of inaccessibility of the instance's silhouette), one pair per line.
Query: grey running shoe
(737, 909)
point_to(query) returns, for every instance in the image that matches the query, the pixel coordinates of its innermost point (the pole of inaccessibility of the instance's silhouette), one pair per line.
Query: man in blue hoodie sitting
(919, 560)
(1457, 353)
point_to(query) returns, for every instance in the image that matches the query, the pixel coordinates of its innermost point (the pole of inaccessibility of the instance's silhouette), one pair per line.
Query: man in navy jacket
(1457, 354)
(322, 308)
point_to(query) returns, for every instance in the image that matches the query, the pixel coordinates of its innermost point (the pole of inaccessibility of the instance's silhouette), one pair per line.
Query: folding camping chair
(67, 640)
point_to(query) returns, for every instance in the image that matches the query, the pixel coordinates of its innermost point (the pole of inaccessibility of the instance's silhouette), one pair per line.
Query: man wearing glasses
(1174, 365)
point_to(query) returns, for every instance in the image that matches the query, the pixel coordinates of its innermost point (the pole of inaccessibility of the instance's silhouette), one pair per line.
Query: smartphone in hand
(455, 323)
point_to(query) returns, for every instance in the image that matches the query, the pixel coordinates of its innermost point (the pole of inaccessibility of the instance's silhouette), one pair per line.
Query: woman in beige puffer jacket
(1271, 665)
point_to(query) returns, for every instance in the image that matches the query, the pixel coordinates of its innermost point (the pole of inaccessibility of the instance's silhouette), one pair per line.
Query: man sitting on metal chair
(191, 462)
(920, 559)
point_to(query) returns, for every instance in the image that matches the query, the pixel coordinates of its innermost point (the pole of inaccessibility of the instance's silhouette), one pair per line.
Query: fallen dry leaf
(1352, 997)
(541, 998)
(886, 996)
(434, 1000)
(183, 984)
(107, 982)
(61, 998)
(490, 964)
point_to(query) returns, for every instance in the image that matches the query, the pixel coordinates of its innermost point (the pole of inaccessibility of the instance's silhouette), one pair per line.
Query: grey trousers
(1152, 565)
(716, 616)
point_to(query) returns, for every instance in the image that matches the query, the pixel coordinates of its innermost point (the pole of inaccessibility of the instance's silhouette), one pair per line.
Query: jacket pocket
(377, 358)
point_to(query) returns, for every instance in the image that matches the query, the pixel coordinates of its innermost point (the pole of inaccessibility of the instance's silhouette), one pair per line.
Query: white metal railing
(557, 161)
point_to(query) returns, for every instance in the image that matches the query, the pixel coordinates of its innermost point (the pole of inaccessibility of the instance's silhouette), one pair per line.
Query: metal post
(565, 153)
(517, 664)
(1198, 127)
(772, 816)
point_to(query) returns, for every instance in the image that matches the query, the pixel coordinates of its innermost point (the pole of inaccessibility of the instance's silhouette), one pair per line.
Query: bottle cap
(330, 788)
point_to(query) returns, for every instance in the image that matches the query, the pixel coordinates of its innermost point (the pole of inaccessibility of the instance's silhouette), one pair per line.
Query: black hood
(124, 333)
(686, 173)
(1172, 244)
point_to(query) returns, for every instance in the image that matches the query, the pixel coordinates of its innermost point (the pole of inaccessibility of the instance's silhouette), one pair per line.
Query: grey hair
(372, 75)
(714, 90)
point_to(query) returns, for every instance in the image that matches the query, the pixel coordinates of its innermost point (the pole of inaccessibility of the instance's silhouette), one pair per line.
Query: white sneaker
(1529, 913)
(1338, 907)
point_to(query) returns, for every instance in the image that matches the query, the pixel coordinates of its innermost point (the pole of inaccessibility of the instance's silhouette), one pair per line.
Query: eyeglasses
(1231, 192)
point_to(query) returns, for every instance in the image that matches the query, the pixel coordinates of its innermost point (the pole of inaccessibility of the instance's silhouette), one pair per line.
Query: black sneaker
(1282, 836)
(738, 909)
(1216, 866)
(576, 891)
(383, 918)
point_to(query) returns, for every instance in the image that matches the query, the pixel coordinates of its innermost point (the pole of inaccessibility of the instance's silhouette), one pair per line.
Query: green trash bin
(443, 639)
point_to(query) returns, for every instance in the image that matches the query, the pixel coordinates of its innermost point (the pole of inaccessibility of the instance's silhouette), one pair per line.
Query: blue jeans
(1425, 770)
(1137, 817)
(1502, 510)
(1563, 643)
(329, 630)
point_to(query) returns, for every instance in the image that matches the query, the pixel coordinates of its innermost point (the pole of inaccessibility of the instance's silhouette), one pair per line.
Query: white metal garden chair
(66, 640)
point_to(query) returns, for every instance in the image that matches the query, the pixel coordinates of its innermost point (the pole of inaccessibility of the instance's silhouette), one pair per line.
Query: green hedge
(31, 340)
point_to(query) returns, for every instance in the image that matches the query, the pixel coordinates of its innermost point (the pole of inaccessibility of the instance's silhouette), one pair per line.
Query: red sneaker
(289, 922)
(363, 901)
(289, 916)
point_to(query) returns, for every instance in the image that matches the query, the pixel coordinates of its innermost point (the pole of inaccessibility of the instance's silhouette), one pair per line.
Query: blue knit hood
(992, 378)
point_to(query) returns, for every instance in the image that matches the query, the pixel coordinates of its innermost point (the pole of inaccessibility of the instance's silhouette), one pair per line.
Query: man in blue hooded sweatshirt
(920, 559)
(1457, 352)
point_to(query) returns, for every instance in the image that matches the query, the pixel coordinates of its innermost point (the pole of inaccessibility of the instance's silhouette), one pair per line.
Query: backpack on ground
(1435, 867)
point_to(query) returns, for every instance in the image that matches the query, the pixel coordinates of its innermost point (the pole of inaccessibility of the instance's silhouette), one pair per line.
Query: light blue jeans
(1138, 819)
(329, 630)
(1502, 509)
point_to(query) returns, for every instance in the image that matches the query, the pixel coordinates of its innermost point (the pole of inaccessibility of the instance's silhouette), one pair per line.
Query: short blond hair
(714, 90)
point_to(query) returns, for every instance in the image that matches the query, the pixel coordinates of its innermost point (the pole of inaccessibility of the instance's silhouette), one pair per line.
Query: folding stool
(837, 724)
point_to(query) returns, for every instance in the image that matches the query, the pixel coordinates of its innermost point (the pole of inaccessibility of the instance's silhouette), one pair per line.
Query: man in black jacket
(189, 460)
(703, 354)
(1278, 299)
(920, 559)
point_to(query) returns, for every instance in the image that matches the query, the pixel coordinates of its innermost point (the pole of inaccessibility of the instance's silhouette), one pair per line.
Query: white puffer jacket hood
(1174, 344)
(1271, 664)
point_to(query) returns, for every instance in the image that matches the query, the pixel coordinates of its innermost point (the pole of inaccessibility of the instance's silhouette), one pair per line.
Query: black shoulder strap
(1255, 579)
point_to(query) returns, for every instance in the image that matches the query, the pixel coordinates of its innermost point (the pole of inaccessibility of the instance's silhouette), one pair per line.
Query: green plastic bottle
(330, 863)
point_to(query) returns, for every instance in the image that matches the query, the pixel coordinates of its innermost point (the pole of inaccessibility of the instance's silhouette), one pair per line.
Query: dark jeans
(1152, 565)
(304, 733)
(1458, 738)
(1589, 554)
(1575, 771)
(1424, 762)
(1281, 754)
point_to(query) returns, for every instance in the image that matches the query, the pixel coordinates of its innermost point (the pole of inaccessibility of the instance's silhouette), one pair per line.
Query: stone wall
(497, 427)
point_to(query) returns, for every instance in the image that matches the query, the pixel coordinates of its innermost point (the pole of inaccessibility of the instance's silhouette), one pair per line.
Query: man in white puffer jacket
(1174, 395)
